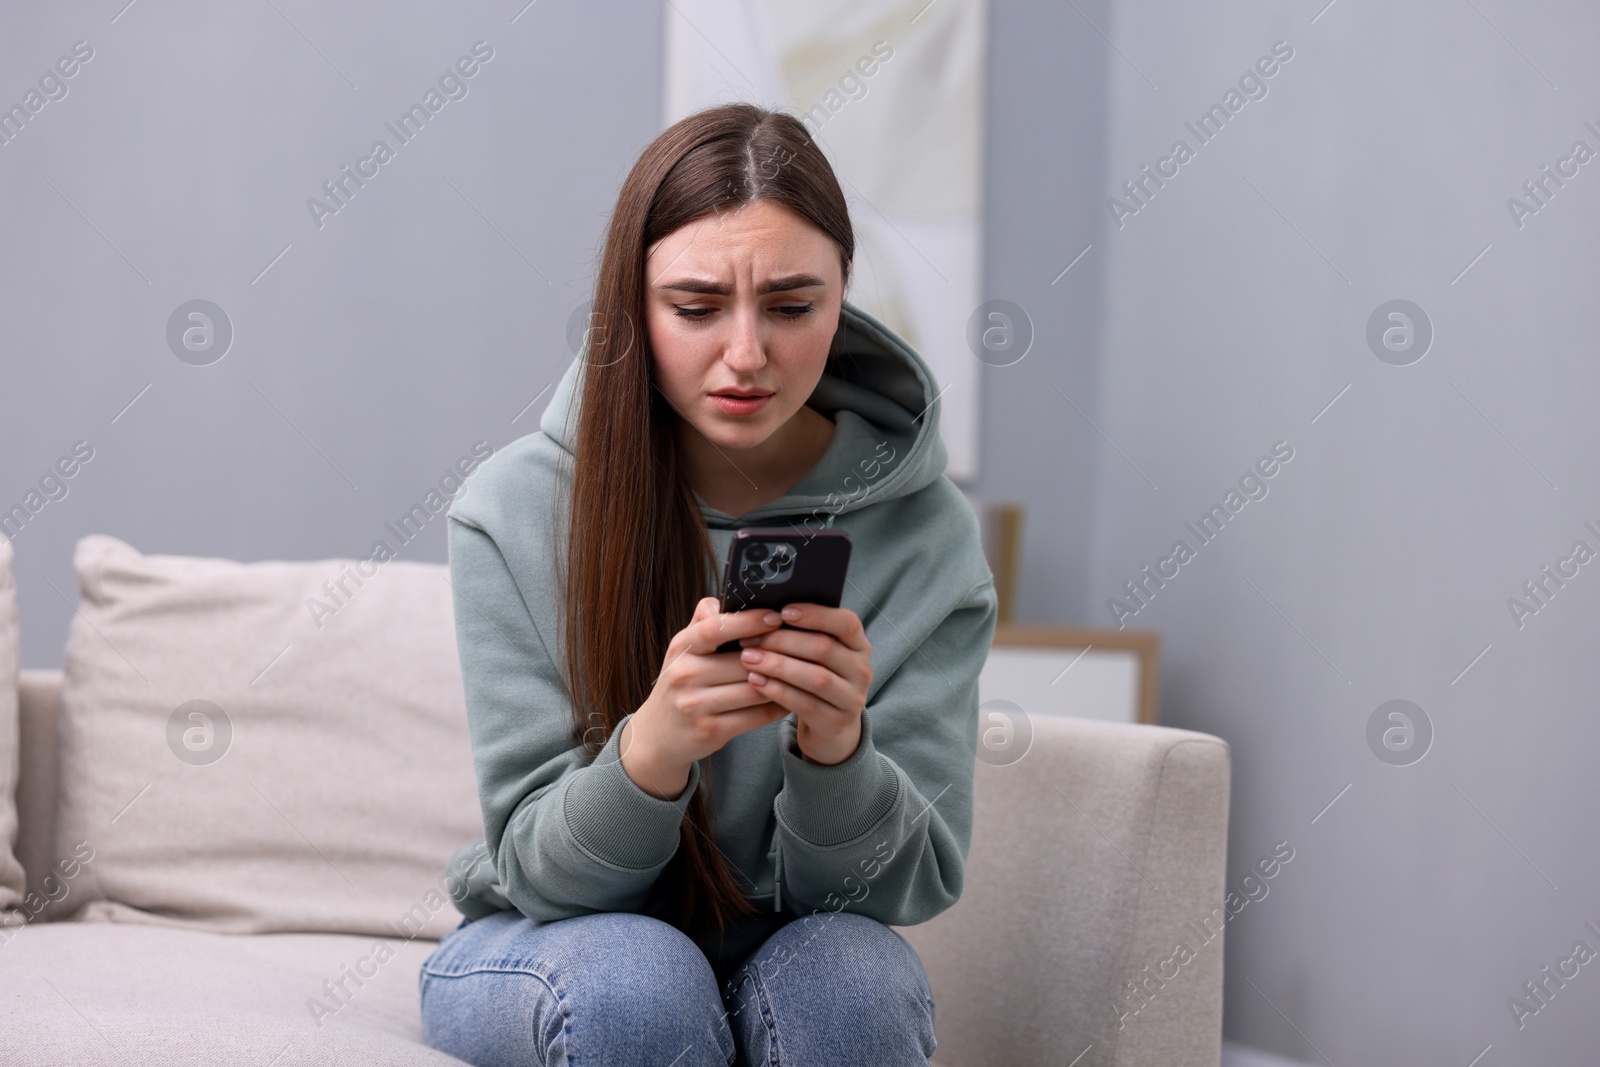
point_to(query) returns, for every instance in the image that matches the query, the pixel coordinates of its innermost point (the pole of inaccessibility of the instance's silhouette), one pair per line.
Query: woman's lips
(740, 405)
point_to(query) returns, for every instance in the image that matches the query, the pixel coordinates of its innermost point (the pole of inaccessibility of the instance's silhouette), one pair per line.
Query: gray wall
(1047, 127)
(421, 318)
(1380, 563)
(429, 312)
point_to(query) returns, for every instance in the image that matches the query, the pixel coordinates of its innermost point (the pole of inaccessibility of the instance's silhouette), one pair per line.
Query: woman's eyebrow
(713, 287)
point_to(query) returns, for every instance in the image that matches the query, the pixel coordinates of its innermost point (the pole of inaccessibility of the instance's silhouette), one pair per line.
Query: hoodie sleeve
(566, 837)
(885, 832)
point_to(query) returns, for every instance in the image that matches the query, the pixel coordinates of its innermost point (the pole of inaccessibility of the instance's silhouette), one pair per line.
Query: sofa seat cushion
(112, 993)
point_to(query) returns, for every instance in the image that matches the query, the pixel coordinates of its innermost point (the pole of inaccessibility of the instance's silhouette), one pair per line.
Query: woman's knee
(618, 961)
(871, 952)
(611, 987)
(857, 974)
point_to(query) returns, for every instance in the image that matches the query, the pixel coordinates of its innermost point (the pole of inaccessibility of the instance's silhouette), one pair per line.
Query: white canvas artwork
(893, 92)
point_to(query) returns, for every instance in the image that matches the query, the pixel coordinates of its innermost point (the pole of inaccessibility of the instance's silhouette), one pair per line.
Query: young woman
(696, 857)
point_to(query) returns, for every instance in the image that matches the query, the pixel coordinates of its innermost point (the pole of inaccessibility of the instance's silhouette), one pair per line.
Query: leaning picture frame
(1081, 672)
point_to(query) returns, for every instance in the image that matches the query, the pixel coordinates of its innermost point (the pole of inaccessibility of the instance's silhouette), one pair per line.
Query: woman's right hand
(702, 699)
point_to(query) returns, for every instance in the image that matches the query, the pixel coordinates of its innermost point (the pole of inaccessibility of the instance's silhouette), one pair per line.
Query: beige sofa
(1092, 857)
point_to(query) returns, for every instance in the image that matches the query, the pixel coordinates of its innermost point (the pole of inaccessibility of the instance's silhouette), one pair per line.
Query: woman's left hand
(820, 672)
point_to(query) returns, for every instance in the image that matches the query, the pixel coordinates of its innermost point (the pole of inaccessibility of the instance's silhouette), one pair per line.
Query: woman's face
(741, 309)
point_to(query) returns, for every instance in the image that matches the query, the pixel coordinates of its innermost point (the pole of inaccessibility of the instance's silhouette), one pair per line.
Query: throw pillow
(12, 882)
(258, 747)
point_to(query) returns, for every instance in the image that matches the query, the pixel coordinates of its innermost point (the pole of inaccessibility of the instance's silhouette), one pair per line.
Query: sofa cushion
(255, 747)
(11, 876)
(88, 993)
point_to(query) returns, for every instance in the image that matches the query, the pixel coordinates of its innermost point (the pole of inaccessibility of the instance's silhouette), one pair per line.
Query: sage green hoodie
(885, 832)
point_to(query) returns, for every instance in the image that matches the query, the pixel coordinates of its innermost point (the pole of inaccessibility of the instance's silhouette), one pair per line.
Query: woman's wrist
(647, 771)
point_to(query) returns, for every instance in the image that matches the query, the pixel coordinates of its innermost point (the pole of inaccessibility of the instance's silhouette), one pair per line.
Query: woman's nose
(744, 347)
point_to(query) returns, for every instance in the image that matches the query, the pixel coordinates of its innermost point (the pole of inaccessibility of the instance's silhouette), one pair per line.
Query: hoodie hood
(882, 397)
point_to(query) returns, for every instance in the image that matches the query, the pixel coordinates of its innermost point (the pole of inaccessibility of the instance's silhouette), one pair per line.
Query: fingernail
(757, 679)
(751, 655)
(791, 613)
(771, 618)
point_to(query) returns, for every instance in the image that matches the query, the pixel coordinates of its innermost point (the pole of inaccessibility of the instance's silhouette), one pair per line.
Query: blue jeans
(616, 989)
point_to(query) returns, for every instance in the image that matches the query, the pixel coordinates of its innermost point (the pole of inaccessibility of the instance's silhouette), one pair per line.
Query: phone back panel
(769, 567)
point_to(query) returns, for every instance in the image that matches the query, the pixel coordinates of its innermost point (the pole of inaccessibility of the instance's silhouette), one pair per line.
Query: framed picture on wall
(1082, 672)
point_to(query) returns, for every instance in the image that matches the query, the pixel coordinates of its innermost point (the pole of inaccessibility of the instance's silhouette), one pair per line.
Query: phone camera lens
(756, 553)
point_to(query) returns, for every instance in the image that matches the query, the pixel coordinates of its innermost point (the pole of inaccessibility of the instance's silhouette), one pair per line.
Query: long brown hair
(638, 555)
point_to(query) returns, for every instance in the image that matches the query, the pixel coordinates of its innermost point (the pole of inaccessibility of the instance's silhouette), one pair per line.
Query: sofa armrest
(1091, 857)
(38, 790)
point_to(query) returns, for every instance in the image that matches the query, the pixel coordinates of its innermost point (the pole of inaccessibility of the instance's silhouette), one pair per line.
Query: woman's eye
(787, 311)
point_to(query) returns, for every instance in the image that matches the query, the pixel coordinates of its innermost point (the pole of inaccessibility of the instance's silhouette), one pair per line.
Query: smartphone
(771, 566)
